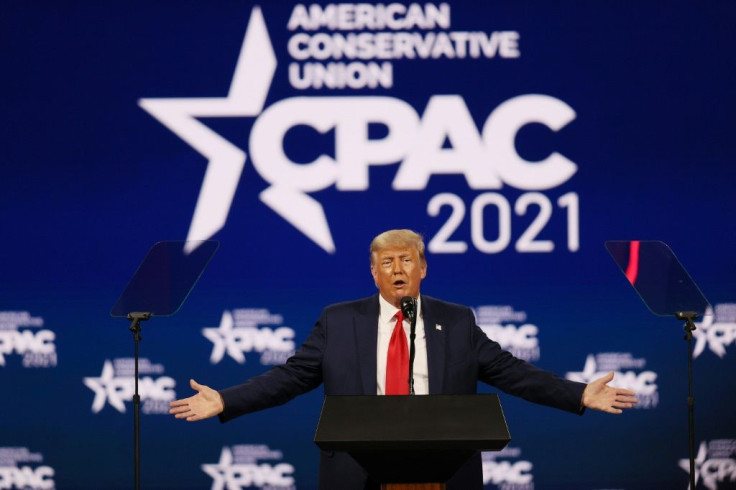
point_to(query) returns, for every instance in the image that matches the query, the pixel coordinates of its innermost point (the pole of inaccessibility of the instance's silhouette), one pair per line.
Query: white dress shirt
(386, 324)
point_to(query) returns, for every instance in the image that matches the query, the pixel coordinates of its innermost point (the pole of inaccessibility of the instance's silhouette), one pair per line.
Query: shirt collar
(388, 311)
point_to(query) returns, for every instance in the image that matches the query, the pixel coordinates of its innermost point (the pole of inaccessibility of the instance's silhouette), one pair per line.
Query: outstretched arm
(205, 404)
(599, 396)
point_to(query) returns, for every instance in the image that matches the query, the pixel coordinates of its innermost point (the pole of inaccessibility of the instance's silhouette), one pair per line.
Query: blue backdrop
(516, 136)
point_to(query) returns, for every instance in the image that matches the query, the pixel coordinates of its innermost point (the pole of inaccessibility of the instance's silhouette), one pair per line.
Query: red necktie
(397, 362)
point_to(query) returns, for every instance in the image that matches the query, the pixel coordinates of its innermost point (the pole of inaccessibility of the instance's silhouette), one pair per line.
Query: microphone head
(409, 307)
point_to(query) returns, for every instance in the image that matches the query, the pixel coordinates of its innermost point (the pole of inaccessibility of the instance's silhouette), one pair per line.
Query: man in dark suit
(351, 350)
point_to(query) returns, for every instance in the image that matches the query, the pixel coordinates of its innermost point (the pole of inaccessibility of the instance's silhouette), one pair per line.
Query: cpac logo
(714, 466)
(155, 393)
(275, 345)
(717, 330)
(507, 474)
(643, 384)
(38, 348)
(521, 341)
(25, 477)
(497, 472)
(227, 475)
(486, 158)
(499, 322)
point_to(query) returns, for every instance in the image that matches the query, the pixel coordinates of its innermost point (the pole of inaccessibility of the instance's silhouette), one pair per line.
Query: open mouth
(399, 284)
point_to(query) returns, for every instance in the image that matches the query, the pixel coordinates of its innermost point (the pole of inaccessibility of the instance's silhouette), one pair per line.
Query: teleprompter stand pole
(689, 316)
(135, 327)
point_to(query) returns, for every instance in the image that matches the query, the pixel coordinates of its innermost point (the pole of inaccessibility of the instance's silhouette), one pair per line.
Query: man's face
(398, 273)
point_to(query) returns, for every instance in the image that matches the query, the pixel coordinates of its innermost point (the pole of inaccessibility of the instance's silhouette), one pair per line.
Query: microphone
(409, 309)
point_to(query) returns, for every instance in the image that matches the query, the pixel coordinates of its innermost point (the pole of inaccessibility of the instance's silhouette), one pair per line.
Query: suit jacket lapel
(366, 335)
(434, 333)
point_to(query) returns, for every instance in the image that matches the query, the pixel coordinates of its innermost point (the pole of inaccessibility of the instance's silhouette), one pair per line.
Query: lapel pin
(438, 327)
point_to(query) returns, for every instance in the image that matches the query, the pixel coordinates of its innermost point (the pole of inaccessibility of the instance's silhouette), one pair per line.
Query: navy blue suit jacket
(340, 353)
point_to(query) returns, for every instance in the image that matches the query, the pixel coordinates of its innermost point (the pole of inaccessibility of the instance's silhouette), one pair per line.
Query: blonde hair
(398, 239)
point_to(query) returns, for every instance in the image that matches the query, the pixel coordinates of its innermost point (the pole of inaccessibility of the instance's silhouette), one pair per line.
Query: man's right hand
(205, 404)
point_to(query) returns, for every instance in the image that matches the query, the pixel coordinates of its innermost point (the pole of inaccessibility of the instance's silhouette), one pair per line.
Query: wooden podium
(412, 442)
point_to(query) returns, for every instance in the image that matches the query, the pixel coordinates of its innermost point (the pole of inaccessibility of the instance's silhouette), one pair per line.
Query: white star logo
(107, 387)
(589, 372)
(218, 471)
(249, 87)
(699, 460)
(714, 334)
(701, 335)
(221, 338)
